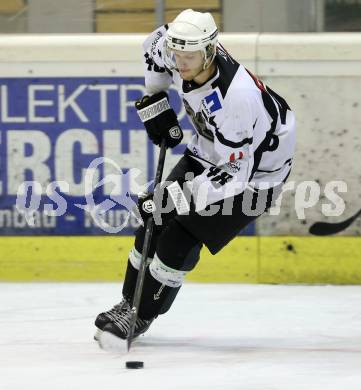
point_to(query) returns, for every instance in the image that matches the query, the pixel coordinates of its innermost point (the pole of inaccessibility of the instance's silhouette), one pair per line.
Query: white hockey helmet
(191, 31)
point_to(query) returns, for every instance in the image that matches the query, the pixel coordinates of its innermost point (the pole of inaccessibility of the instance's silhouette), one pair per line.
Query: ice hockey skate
(108, 316)
(116, 330)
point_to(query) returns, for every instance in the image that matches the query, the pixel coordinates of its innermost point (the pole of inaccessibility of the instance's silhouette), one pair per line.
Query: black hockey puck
(134, 364)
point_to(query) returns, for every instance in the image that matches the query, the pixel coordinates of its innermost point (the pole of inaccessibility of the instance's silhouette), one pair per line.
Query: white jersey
(245, 132)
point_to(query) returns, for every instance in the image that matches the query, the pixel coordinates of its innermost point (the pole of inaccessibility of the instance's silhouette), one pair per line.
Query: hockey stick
(146, 245)
(326, 228)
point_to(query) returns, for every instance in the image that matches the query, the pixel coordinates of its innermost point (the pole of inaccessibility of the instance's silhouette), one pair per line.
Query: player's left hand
(146, 205)
(168, 202)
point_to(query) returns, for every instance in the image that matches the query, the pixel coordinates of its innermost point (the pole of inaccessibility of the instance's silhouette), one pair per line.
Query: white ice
(247, 337)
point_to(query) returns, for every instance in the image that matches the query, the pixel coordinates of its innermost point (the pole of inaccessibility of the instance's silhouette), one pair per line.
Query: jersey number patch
(218, 177)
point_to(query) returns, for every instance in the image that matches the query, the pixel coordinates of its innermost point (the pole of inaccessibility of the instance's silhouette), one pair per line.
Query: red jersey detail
(232, 157)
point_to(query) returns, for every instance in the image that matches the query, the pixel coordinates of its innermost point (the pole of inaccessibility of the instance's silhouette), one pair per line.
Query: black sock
(130, 281)
(157, 298)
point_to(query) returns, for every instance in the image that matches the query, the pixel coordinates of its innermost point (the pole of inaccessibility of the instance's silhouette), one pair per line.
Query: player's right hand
(159, 119)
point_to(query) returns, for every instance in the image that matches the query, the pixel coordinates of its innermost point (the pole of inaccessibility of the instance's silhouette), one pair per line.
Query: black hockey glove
(159, 119)
(170, 201)
(146, 205)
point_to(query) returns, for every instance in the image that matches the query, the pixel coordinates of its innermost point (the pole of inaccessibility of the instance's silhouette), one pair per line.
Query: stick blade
(324, 229)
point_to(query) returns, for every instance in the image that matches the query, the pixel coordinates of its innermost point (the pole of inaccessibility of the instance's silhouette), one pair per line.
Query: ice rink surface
(245, 337)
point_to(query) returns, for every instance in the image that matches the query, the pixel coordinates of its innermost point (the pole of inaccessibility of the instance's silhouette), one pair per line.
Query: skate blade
(97, 334)
(111, 343)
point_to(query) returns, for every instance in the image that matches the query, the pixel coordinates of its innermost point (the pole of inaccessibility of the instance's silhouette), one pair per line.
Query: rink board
(245, 259)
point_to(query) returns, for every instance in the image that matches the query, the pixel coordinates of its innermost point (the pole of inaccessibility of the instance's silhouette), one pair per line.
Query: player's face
(189, 63)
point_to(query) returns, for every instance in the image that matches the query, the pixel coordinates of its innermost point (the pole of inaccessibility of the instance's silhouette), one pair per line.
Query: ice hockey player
(241, 151)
